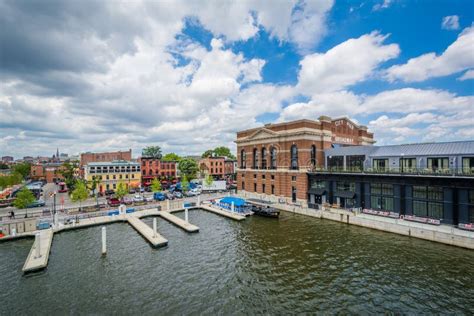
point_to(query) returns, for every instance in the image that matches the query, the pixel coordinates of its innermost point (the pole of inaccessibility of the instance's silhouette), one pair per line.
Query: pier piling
(104, 241)
(154, 227)
(38, 245)
(186, 215)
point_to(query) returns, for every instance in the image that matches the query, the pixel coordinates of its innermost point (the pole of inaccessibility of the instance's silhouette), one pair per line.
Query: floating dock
(190, 228)
(221, 212)
(38, 259)
(153, 237)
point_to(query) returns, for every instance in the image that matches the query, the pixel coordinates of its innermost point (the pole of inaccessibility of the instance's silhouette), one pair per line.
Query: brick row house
(154, 168)
(219, 168)
(274, 159)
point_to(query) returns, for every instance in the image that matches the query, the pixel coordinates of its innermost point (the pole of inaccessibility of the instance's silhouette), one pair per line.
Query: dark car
(36, 203)
(109, 192)
(131, 190)
(147, 189)
(113, 202)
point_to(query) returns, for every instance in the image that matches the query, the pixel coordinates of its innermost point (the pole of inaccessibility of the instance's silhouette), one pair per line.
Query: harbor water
(291, 265)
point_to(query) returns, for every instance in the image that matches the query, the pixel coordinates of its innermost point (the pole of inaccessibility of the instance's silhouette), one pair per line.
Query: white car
(138, 198)
(149, 198)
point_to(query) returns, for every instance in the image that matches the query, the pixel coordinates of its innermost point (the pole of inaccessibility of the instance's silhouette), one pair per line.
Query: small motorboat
(265, 211)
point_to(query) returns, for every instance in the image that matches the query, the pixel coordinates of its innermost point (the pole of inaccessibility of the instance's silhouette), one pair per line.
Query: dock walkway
(190, 228)
(228, 214)
(34, 262)
(155, 239)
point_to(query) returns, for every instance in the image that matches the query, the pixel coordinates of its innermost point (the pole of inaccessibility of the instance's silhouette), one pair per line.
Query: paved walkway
(35, 262)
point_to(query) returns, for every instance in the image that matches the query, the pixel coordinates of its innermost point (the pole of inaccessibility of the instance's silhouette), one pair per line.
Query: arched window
(294, 157)
(255, 158)
(264, 158)
(273, 158)
(313, 156)
(243, 159)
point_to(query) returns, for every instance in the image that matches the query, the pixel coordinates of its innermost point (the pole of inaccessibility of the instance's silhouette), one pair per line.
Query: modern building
(110, 174)
(154, 168)
(7, 159)
(89, 157)
(274, 159)
(218, 167)
(429, 180)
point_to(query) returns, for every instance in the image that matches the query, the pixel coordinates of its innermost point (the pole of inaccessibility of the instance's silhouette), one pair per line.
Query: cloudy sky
(186, 75)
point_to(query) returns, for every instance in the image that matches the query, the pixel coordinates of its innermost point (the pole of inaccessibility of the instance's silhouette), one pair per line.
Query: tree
(24, 198)
(171, 157)
(92, 185)
(121, 191)
(155, 185)
(184, 184)
(152, 152)
(223, 151)
(23, 168)
(12, 179)
(208, 153)
(68, 170)
(209, 180)
(188, 168)
(80, 193)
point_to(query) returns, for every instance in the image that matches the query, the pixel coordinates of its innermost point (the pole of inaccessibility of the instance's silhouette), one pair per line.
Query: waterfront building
(274, 159)
(154, 168)
(219, 168)
(110, 174)
(430, 180)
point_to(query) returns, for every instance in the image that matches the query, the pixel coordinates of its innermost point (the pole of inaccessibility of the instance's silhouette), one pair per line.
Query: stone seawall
(442, 234)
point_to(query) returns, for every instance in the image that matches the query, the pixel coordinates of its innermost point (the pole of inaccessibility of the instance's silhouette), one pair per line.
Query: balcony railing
(411, 171)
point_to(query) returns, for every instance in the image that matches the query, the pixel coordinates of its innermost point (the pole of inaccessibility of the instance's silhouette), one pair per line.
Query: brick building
(274, 159)
(111, 174)
(155, 168)
(49, 172)
(89, 157)
(218, 167)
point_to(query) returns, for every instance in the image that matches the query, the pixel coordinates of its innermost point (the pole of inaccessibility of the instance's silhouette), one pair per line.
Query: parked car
(131, 190)
(149, 198)
(113, 202)
(148, 189)
(159, 196)
(37, 203)
(142, 189)
(109, 192)
(127, 201)
(170, 196)
(138, 198)
(177, 194)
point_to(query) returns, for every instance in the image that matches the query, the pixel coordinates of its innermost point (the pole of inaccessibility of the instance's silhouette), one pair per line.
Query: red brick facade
(154, 168)
(105, 157)
(283, 173)
(45, 172)
(218, 167)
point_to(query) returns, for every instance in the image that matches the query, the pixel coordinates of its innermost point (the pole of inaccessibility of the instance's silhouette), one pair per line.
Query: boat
(265, 211)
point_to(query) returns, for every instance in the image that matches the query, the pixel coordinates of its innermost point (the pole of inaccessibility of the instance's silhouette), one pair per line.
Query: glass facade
(294, 157)
(438, 164)
(264, 158)
(345, 186)
(471, 206)
(336, 162)
(407, 164)
(243, 159)
(318, 184)
(380, 164)
(428, 201)
(381, 196)
(468, 164)
(355, 163)
(273, 158)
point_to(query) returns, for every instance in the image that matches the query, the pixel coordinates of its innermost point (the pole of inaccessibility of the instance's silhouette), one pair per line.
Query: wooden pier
(153, 238)
(190, 228)
(38, 259)
(224, 213)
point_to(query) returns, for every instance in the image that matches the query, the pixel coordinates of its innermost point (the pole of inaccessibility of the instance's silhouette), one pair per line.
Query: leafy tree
(23, 168)
(223, 151)
(155, 185)
(184, 184)
(152, 151)
(92, 185)
(80, 193)
(121, 191)
(171, 157)
(24, 198)
(188, 168)
(12, 179)
(208, 153)
(209, 180)
(68, 170)
(3, 166)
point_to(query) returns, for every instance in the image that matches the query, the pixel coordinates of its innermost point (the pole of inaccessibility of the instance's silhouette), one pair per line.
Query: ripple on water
(259, 266)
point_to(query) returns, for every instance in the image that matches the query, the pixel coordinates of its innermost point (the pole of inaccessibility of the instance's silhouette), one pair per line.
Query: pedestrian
(13, 214)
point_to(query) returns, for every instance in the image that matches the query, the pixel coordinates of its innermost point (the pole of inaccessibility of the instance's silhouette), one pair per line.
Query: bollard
(104, 241)
(38, 245)
(232, 207)
(199, 200)
(168, 205)
(154, 227)
(186, 215)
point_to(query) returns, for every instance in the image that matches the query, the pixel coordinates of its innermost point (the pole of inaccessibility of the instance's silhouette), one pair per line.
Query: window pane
(419, 208)
(419, 192)
(435, 210)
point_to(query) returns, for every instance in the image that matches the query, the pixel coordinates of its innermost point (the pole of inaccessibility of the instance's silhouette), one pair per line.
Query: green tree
(12, 179)
(92, 185)
(209, 180)
(171, 157)
(80, 193)
(223, 151)
(24, 198)
(155, 185)
(68, 170)
(121, 191)
(23, 168)
(188, 168)
(184, 184)
(152, 151)
(4, 166)
(208, 153)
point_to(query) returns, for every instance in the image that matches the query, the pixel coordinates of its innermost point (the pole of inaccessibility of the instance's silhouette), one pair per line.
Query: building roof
(418, 149)
(230, 199)
(113, 163)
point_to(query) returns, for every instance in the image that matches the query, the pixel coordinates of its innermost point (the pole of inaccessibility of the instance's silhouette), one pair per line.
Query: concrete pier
(147, 232)
(224, 213)
(39, 254)
(190, 228)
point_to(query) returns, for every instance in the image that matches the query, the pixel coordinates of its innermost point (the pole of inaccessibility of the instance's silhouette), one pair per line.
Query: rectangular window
(435, 193)
(107, 177)
(120, 176)
(255, 176)
(438, 164)
(243, 185)
(255, 187)
(133, 176)
(115, 186)
(318, 184)
(419, 192)
(126, 176)
(419, 208)
(335, 162)
(273, 177)
(273, 189)
(380, 164)
(263, 176)
(293, 178)
(407, 164)
(468, 164)
(263, 188)
(387, 189)
(435, 210)
(345, 186)
(355, 163)
(375, 188)
(114, 176)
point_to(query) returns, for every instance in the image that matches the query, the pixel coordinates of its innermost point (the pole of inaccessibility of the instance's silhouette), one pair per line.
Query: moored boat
(265, 211)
